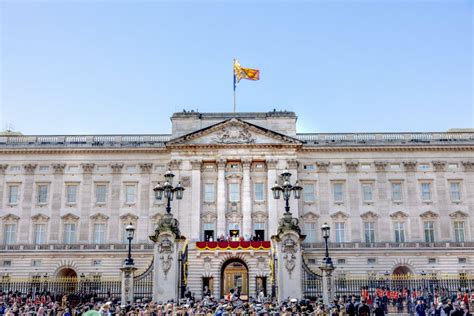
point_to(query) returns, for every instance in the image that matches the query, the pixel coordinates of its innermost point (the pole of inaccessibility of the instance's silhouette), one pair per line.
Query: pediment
(209, 217)
(233, 132)
(339, 215)
(39, 218)
(399, 214)
(310, 216)
(369, 215)
(128, 217)
(70, 217)
(259, 216)
(429, 215)
(156, 217)
(99, 217)
(10, 217)
(458, 215)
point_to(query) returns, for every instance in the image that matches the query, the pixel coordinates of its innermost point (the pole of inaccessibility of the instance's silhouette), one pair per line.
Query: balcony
(390, 245)
(74, 247)
(233, 245)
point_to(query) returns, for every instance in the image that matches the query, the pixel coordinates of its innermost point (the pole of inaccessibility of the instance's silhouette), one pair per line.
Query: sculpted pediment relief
(259, 216)
(128, 217)
(10, 217)
(369, 215)
(209, 217)
(310, 216)
(156, 217)
(233, 132)
(39, 218)
(339, 215)
(429, 215)
(399, 214)
(69, 217)
(458, 215)
(99, 217)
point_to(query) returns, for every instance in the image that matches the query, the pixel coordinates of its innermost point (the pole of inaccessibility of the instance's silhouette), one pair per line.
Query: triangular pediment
(310, 216)
(369, 215)
(10, 217)
(128, 217)
(69, 217)
(399, 214)
(428, 215)
(156, 217)
(339, 215)
(39, 218)
(458, 215)
(99, 217)
(233, 132)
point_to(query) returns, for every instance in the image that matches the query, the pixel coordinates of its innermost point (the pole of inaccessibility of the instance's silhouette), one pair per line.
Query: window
(69, 233)
(367, 192)
(340, 232)
(208, 231)
(234, 166)
(399, 228)
(308, 167)
(371, 260)
(455, 190)
(100, 193)
(431, 260)
(426, 191)
(462, 260)
(42, 197)
(43, 168)
(209, 192)
(308, 193)
(310, 232)
(96, 262)
(71, 194)
(396, 192)
(369, 232)
(9, 235)
(459, 231)
(338, 192)
(234, 192)
(39, 234)
(365, 166)
(341, 261)
(424, 166)
(99, 233)
(452, 166)
(429, 231)
(7, 263)
(259, 195)
(130, 194)
(259, 231)
(36, 263)
(13, 194)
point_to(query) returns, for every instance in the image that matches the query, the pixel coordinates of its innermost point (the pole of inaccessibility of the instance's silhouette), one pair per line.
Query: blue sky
(75, 67)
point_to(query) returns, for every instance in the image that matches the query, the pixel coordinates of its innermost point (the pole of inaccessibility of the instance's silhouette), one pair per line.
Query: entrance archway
(67, 273)
(66, 281)
(402, 270)
(235, 275)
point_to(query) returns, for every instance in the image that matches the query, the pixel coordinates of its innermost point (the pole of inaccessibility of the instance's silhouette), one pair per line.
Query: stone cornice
(145, 167)
(30, 168)
(3, 167)
(352, 166)
(59, 168)
(439, 165)
(383, 148)
(116, 167)
(323, 166)
(380, 166)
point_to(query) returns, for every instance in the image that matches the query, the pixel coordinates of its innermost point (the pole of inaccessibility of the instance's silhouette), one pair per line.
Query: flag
(244, 73)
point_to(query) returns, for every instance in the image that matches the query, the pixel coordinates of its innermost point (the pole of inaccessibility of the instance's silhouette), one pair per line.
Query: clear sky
(75, 67)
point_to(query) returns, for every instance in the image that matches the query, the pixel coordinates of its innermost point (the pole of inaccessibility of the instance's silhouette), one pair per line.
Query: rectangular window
(338, 192)
(462, 261)
(69, 233)
(259, 194)
(13, 194)
(459, 231)
(424, 166)
(40, 234)
(234, 192)
(431, 260)
(209, 192)
(426, 191)
(371, 260)
(429, 231)
(396, 192)
(71, 194)
(99, 233)
(42, 196)
(9, 235)
(341, 261)
(43, 168)
(399, 228)
(101, 193)
(455, 190)
(369, 231)
(130, 194)
(208, 231)
(310, 232)
(308, 193)
(340, 235)
(308, 167)
(367, 192)
(258, 231)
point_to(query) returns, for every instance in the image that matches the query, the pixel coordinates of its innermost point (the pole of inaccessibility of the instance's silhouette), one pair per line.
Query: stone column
(287, 247)
(127, 293)
(116, 186)
(412, 202)
(442, 202)
(195, 218)
(294, 203)
(272, 203)
(3, 168)
(246, 200)
(28, 199)
(86, 201)
(143, 223)
(56, 202)
(353, 199)
(324, 187)
(167, 252)
(327, 283)
(221, 198)
(468, 190)
(382, 202)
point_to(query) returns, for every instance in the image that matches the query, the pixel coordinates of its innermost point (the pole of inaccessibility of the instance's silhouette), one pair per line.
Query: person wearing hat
(364, 309)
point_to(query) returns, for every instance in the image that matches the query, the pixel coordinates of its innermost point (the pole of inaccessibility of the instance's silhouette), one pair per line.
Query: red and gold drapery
(233, 245)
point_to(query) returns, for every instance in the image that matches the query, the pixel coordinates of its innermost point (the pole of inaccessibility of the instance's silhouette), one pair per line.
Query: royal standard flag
(244, 73)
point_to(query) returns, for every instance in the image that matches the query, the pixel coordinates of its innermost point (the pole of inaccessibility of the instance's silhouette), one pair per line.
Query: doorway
(234, 275)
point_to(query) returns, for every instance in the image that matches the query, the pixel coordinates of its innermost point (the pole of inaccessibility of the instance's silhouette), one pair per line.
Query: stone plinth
(127, 293)
(327, 282)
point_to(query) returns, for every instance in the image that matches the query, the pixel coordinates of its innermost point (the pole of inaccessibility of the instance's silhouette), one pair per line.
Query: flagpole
(234, 101)
(235, 83)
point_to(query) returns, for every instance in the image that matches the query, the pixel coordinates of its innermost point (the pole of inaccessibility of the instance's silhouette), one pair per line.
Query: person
(465, 309)
(420, 308)
(379, 310)
(350, 308)
(206, 291)
(448, 308)
(261, 296)
(364, 309)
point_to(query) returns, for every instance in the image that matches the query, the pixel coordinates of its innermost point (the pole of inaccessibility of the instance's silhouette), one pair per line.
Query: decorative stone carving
(323, 166)
(59, 168)
(129, 217)
(174, 164)
(439, 165)
(234, 134)
(369, 216)
(146, 167)
(310, 217)
(246, 163)
(196, 164)
(380, 166)
(272, 163)
(39, 218)
(340, 215)
(288, 223)
(116, 167)
(410, 165)
(87, 167)
(292, 164)
(458, 215)
(468, 165)
(208, 217)
(99, 217)
(259, 217)
(399, 214)
(166, 224)
(10, 218)
(289, 249)
(3, 168)
(429, 215)
(69, 217)
(186, 181)
(352, 166)
(30, 168)
(165, 250)
(207, 264)
(221, 163)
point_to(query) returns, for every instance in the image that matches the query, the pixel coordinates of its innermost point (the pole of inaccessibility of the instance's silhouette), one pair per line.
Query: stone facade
(392, 200)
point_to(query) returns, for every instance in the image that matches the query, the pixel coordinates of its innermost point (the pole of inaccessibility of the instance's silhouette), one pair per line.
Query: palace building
(395, 202)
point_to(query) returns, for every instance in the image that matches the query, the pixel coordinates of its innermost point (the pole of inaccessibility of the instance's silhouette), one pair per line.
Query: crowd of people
(379, 302)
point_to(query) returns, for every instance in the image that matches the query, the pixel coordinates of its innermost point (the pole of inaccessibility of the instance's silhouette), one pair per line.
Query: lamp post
(325, 229)
(130, 232)
(168, 190)
(286, 188)
(327, 267)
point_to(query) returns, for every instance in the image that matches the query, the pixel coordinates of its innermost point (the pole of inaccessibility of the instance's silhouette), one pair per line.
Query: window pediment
(259, 216)
(340, 215)
(458, 215)
(156, 217)
(369, 215)
(310, 217)
(69, 217)
(39, 218)
(209, 217)
(129, 217)
(99, 217)
(234, 217)
(398, 215)
(10, 217)
(429, 215)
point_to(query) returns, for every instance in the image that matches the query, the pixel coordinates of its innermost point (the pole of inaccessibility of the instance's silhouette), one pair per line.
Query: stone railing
(384, 245)
(89, 247)
(413, 139)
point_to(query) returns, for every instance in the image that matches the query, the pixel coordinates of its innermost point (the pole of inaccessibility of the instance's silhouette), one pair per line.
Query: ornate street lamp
(286, 188)
(168, 191)
(325, 231)
(130, 232)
